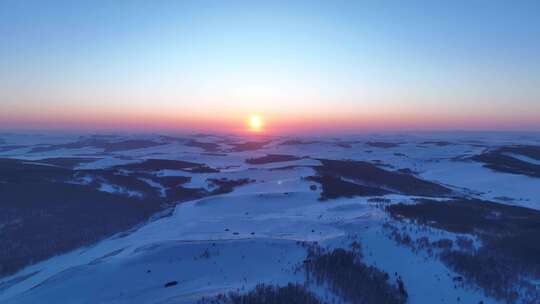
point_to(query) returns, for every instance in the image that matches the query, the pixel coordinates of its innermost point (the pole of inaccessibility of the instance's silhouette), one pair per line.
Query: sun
(255, 123)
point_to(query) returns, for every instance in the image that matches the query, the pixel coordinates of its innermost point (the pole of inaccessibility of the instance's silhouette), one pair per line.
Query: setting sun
(255, 123)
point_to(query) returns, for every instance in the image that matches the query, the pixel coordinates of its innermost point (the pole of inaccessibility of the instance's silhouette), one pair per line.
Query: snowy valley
(202, 218)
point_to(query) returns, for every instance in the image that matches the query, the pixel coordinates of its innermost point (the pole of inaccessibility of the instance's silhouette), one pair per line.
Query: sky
(298, 65)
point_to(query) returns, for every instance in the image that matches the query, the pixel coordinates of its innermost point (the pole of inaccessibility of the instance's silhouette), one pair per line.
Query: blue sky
(338, 64)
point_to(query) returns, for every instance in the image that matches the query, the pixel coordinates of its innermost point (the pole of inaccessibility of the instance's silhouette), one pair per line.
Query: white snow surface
(236, 240)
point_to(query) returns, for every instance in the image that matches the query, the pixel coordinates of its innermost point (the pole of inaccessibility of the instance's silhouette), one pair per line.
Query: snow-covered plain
(233, 241)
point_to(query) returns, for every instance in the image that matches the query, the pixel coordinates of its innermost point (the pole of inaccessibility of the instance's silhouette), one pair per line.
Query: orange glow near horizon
(237, 120)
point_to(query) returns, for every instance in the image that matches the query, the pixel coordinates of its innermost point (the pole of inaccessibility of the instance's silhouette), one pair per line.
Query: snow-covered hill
(222, 222)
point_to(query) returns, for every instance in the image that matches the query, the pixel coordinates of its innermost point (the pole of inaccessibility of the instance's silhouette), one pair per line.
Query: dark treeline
(272, 158)
(247, 146)
(226, 185)
(499, 160)
(381, 144)
(525, 150)
(508, 258)
(152, 165)
(370, 180)
(336, 187)
(352, 280)
(266, 294)
(48, 209)
(100, 143)
(340, 270)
